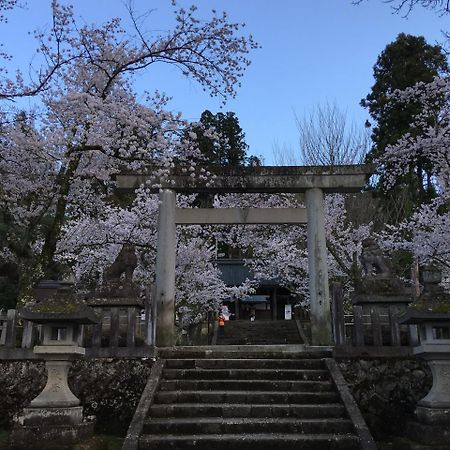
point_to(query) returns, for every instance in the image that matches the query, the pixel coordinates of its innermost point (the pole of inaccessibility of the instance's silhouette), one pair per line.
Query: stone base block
(428, 434)
(406, 444)
(51, 416)
(52, 436)
(433, 416)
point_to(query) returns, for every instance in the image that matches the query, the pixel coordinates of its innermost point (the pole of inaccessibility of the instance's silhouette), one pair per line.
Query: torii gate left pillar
(165, 270)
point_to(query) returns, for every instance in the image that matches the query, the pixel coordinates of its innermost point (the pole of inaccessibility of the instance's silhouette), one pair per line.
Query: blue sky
(313, 51)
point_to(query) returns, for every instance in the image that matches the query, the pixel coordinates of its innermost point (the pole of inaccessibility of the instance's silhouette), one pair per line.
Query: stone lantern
(431, 313)
(55, 414)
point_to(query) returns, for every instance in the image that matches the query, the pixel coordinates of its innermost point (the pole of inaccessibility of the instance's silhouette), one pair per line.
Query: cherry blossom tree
(279, 252)
(426, 232)
(212, 52)
(199, 287)
(58, 161)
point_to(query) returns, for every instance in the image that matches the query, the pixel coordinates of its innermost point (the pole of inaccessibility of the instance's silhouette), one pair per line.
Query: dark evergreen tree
(231, 148)
(403, 63)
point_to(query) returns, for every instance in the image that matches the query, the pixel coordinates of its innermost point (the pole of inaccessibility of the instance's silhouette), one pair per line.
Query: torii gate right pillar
(321, 332)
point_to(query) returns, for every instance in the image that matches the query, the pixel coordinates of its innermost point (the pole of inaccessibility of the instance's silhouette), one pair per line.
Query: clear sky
(313, 51)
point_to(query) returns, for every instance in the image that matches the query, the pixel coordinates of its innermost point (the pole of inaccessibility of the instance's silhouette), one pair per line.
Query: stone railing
(121, 332)
(372, 332)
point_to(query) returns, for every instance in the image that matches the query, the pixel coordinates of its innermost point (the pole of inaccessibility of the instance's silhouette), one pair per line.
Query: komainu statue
(379, 279)
(123, 265)
(118, 288)
(373, 261)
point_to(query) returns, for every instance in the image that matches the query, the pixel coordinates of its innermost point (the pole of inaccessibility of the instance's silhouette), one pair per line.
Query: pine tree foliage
(403, 63)
(228, 146)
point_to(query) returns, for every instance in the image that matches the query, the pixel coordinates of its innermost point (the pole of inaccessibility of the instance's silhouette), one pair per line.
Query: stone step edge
(245, 420)
(246, 392)
(250, 380)
(288, 348)
(223, 380)
(245, 359)
(220, 364)
(250, 437)
(241, 405)
(215, 370)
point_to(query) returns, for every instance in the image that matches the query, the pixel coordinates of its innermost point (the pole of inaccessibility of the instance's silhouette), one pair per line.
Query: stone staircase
(259, 332)
(241, 399)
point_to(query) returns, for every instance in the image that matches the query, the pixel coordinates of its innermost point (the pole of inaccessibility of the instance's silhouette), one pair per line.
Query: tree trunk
(43, 261)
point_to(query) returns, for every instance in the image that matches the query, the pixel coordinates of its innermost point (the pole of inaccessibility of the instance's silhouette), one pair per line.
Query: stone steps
(247, 402)
(243, 363)
(261, 332)
(246, 385)
(246, 425)
(246, 374)
(247, 397)
(291, 351)
(245, 410)
(265, 441)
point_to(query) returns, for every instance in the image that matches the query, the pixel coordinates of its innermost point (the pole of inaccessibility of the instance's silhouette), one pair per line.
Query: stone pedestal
(56, 392)
(380, 290)
(434, 408)
(381, 293)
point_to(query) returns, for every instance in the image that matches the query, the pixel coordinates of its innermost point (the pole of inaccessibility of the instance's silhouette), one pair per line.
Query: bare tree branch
(326, 137)
(442, 7)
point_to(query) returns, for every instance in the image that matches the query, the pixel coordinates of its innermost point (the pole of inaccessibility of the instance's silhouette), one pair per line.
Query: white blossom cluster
(279, 252)
(427, 232)
(58, 160)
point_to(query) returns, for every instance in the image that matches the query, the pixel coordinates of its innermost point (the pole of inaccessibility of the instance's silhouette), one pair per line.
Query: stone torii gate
(312, 181)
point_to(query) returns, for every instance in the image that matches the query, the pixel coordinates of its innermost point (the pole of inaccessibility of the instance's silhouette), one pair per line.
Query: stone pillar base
(51, 436)
(60, 427)
(427, 434)
(51, 416)
(433, 415)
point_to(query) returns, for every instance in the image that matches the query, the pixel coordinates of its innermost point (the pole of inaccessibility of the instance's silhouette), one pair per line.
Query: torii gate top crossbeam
(263, 179)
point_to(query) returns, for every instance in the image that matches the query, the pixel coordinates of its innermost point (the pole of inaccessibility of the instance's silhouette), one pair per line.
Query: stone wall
(108, 388)
(20, 382)
(387, 390)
